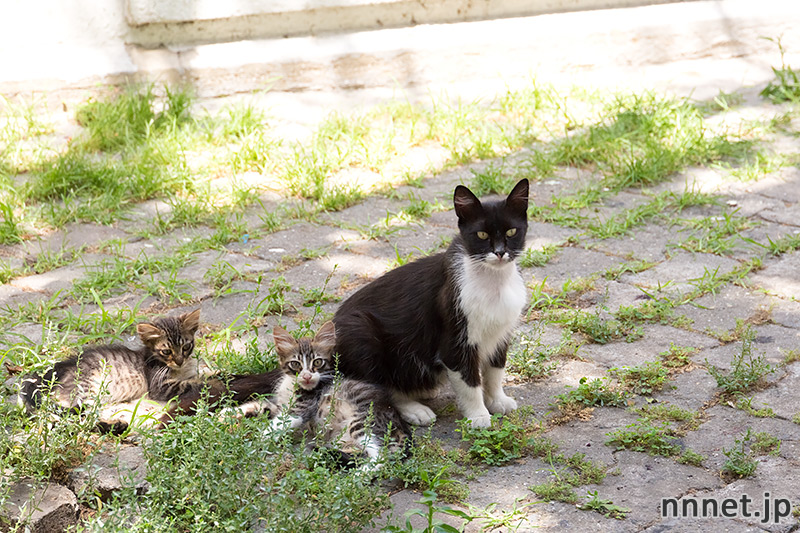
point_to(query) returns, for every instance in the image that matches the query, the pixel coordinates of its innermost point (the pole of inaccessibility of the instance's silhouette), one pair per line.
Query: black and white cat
(449, 315)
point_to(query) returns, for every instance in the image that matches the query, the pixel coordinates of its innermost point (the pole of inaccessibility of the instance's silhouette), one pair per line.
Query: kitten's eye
(482, 235)
(318, 363)
(295, 366)
(511, 232)
(165, 353)
(187, 348)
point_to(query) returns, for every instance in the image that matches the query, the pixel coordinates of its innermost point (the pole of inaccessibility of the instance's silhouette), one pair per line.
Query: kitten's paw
(501, 404)
(416, 413)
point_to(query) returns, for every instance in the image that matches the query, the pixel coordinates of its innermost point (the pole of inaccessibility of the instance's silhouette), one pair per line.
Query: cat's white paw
(501, 404)
(416, 413)
(479, 419)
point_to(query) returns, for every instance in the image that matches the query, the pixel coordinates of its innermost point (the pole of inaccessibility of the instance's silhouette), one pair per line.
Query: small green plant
(746, 404)
(692, 458)
(598, 329)
(431, 512)
(786, 85)
(604, 507)
(646, 436)
(677, 356)
(765, 444)
(530, 358)
(747, 371)
(498, 444)
(642, 379)
(537, 258)
(740, 462)
(667, 412)
(556, 490)
(591, 393)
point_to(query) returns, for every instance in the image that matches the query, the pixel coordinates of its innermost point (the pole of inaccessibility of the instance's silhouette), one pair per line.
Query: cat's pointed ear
(149, 333)
(517, 200)
(466, 203)
(190, 321)
(284, 342)
(325, 338)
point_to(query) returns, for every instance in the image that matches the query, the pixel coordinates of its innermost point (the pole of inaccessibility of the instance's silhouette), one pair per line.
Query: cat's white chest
(492, 300)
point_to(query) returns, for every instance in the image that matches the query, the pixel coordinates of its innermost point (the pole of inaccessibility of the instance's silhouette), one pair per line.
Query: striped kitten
(114, 375)
(355, 416)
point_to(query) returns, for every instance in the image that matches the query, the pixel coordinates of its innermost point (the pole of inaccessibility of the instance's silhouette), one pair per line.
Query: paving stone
(786, 313)
(290, 242)
(781, 397)
(657, 339)
(41, 507)
(719, 312)
(109, 472)
(647, 243)
(571, 263)
(60, 279)
(688, 390)
(676, 273)
(780, 276)
(74, 236)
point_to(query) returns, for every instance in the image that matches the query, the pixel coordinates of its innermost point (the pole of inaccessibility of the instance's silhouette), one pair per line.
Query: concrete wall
(48, 44)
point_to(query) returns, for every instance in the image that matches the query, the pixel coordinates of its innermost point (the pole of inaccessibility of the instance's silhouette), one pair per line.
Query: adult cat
(447, 315)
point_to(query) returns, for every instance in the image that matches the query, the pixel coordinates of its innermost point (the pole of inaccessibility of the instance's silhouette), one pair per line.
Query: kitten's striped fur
(113, 375)
(354, 416)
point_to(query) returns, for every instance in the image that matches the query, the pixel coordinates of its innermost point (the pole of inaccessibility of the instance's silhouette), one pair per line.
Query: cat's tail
(239, 388)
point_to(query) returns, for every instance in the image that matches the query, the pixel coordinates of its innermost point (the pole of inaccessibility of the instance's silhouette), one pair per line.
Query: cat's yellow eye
(318, 363)
(187, 348)
(482, 235)
(166, 353)
(511, 232)
(295, 366)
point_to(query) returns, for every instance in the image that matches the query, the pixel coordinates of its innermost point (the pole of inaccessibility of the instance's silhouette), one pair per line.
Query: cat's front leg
(413, 411)
(470, 400)
(495, 398)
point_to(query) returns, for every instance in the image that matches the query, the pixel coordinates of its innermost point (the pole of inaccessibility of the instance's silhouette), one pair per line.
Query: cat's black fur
(407, 328)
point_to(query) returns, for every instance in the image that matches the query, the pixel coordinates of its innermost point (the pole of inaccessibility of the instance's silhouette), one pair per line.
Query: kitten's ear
(517, 200)
(326, 337)
(190, 321)
(467, 205)
(284, 342)
(148, 332)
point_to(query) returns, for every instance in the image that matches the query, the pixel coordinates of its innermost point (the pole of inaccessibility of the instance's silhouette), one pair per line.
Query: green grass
(786, 85)
(748, 371)
(642, 379)
(591, 393)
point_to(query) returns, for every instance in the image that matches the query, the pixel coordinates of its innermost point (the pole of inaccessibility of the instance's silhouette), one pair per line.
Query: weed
(740, 462)
(590, 393)
(786, 85)
(667, 412)
(677, 356)
(537, 258)
(765, 444)
(597, 329)
(431, 512)
(556, 490)
(643, 379)
(604, 507)
(646, 436)
(630, 267)
(530, 359)
(503, 441)
(690, 457)
(274, 302)
(746, 405)
(747, 372)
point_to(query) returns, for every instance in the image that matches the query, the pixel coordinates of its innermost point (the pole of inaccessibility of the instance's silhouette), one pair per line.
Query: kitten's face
(171, 339)
(306, 360)
(493, 231)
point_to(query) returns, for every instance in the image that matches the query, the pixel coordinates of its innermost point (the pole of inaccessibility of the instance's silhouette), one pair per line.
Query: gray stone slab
(290, 242)
(41, 507)
(74, 236)
(779, 276)
(781, 397)
(785, 312)
(719, 312)
(646, 243)
(109, 472)
(656, 339)
(571, 263)
(676, 273)
(689, 390)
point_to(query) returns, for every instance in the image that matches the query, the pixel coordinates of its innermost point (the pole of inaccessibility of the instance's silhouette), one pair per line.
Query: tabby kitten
(449, 315)
(112, 375)
(355, 416)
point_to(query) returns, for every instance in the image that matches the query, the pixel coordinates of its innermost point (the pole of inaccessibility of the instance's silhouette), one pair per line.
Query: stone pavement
(334, 247)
